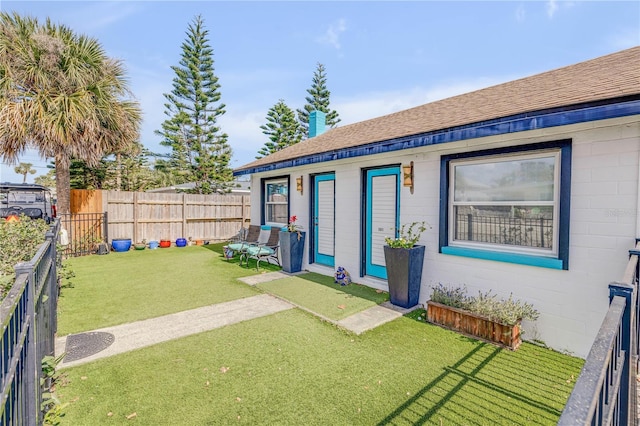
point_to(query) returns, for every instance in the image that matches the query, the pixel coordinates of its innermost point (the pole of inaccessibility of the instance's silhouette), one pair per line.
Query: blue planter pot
(121, 244)
(153, 245)
(404, 274)
(181, 242)
(291, 250)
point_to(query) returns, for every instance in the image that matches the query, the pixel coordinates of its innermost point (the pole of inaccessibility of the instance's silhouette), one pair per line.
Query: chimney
(317, 123)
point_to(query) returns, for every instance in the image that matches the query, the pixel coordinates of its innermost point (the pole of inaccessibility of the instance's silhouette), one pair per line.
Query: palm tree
(61, 94)
(24, 169)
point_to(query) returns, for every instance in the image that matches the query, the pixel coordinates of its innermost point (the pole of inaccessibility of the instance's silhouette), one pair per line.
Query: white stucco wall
(603, 224)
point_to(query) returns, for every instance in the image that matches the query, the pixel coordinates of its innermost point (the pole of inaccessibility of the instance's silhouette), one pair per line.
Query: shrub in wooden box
(474, 325)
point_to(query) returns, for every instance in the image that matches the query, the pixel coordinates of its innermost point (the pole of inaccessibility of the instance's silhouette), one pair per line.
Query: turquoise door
(382, 204)
(324, 219)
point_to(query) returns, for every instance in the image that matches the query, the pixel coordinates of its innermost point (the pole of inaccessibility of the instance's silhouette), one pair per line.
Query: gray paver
(263, 278)
(368, 319)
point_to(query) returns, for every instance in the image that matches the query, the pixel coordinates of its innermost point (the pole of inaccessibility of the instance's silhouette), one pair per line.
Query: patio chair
(242, 240)
(267, 251)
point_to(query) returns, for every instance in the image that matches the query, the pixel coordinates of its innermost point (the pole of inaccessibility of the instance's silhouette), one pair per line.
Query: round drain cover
(86, 344)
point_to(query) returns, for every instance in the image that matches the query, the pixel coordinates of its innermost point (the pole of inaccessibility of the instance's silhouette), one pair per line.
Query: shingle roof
(607, 77)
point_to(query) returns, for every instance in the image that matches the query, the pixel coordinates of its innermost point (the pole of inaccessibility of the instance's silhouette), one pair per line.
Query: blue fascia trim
(521, 259)
(512, 124)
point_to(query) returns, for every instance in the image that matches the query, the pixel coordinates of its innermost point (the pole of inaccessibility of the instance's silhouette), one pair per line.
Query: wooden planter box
(474, 325)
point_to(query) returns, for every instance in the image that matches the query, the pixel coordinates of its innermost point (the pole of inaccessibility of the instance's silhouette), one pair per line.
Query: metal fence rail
(605, 392)
(28, 315)
(85, 232)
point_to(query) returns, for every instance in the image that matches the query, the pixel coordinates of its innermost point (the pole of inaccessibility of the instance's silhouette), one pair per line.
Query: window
(509, 205)
(276, 201)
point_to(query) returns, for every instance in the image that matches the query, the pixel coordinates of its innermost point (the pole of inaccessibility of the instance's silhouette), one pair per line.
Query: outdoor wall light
(407, 176)
(299, 184)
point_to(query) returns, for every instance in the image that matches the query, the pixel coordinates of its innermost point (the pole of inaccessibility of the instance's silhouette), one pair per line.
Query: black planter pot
(291, 250)
(404, 274)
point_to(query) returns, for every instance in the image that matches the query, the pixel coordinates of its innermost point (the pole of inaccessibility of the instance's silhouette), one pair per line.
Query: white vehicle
(32, 200)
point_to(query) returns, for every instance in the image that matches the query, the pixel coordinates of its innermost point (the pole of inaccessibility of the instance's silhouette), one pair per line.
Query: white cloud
(552, 7)
(520, 13)
(103, 15)
(332, 35)
(375, 104)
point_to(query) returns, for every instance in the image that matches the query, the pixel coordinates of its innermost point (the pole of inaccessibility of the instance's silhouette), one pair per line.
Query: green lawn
(291, 368)
(329, 300)
(140, 284)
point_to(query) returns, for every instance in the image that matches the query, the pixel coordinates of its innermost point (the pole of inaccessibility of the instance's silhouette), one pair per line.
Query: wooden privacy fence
(160, 216)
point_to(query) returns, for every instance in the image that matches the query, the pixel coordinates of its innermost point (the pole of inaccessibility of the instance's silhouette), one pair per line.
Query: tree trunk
(118, 171)
(63, 184)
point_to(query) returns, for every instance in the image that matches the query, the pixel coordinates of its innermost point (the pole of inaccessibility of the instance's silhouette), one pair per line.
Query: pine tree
(318, 99)
(282, 128)
(200, 152)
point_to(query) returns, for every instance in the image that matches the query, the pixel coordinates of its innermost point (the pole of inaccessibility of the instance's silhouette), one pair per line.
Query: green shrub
(19, 242)
(456, 297)
(505, 311)
(407, 237)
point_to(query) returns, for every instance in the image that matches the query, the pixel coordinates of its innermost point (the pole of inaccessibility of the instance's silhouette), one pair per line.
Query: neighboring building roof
(611, 77)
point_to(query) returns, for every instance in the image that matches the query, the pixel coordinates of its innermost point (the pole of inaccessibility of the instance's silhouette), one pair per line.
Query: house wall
(603, 224)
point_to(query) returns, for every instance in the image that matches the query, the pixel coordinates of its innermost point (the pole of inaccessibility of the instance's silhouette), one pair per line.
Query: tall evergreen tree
(282, 128)
(318, 99)
(200, 152)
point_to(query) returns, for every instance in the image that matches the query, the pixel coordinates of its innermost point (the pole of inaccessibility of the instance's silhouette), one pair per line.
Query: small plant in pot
(404, 259)
(484, 316)
(292, 246)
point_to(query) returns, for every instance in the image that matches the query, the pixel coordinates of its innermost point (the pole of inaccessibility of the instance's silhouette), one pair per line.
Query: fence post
(628, 292)
(32, 381)
(469, 227)
(53, 285)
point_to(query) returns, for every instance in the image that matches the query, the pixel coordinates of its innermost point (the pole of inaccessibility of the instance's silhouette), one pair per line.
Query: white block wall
(604, 224)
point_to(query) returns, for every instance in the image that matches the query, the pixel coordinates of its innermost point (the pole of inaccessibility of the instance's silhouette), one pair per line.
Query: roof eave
(571, 114)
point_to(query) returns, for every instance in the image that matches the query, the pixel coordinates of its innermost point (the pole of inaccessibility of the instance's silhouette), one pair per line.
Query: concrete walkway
(139, 334)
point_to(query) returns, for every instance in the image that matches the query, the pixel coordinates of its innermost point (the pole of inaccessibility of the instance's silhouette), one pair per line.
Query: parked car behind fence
(34, 201)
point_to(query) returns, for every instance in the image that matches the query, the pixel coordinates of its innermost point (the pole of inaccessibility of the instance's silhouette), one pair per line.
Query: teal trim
(372, 269)
(521, 259)
(323, 259)
(265, 227)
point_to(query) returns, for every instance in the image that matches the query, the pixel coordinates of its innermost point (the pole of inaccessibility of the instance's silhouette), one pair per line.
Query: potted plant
(121, 244)
(484, 317)
(292, 246)
(404, 260)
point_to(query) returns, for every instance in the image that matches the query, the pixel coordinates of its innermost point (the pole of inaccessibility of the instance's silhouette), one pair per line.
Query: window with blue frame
(275, 195)
(508, 204)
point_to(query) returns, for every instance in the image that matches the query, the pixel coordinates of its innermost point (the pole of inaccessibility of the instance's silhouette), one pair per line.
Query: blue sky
(380, 57)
